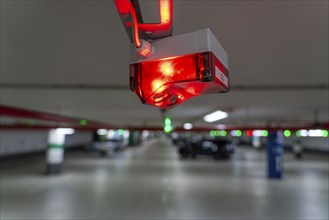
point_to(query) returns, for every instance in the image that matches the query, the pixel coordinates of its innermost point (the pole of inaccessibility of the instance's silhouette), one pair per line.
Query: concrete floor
(151, 182)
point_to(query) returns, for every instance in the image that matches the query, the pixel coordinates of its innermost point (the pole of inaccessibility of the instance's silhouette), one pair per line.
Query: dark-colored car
(217, 148)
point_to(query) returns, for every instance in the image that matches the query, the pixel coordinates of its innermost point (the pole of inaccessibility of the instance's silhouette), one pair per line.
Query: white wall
(315, 143)
(24, 141)
(78, 139)
(309, 143)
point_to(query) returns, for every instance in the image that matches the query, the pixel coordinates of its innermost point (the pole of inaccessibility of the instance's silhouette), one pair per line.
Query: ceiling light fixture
(102, 131)
(66, 131)
(215, 116)
(188, 126)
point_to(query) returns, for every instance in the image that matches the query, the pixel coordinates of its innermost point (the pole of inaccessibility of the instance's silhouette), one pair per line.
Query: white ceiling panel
(270, 43)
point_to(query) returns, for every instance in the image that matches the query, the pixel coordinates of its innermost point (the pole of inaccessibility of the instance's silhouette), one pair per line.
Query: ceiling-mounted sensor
(183, 66)
(167, 70)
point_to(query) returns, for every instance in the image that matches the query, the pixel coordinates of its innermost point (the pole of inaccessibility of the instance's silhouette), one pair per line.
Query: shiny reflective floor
(151, 182)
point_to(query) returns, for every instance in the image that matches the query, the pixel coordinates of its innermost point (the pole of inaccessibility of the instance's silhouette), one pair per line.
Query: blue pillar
(275, 154)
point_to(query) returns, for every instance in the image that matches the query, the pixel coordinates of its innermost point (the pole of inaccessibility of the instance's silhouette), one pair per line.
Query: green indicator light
(216, 133)
(167, 121)
(83, 122)
(265, 133)
(325, 133)
(287, 133)
(168, 128)
(167, 125)
(212, 133)
(298, 133)
(223, 133)
(238, 133)
(121, 131)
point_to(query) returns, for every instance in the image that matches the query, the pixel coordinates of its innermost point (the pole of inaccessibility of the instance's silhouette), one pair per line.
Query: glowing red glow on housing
(249, 133)
(167, 82)
(166, 68)
(155, 77)
(166, 16)
(135, 32)
(165, 11)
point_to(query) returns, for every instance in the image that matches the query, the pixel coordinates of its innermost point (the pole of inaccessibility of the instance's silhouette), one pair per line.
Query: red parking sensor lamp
(183, 66)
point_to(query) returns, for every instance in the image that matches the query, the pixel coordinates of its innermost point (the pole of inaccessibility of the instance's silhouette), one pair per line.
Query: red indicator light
(166, 68)
(249, 133)
(165, 11)
(159, 30)
(167, 82)
(166, 14)
(158, 86)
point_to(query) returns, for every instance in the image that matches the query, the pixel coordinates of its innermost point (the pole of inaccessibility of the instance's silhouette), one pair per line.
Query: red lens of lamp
(167, 82)
(158, 75)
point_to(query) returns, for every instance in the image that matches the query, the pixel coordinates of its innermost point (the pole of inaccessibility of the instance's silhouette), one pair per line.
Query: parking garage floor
(152, 182)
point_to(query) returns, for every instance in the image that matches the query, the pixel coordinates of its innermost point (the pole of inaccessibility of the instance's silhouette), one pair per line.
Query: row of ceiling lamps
(264, 133)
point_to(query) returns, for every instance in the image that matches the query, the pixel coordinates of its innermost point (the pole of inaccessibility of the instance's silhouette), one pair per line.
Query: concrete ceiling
(270, 43)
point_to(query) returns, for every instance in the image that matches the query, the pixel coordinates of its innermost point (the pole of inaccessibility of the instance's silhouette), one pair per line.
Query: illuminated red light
(249, 133)
(167, 82)
(153, 30)
(166, 68)
(165, 12)
(158, 86)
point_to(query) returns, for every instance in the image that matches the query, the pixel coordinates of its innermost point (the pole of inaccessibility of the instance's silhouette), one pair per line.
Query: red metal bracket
(146, 30)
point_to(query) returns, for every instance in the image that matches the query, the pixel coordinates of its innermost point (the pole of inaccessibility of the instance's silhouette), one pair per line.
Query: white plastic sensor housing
(178, 45)
(182, 67)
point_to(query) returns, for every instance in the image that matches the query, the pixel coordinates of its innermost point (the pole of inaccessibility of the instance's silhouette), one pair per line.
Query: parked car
(217, 148)
(110, 146)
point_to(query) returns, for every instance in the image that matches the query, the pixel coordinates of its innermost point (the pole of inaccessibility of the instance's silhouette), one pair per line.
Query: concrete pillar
(297, 149)
(256, 141)
(275, 154)
(133, 138)
(55, 152)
